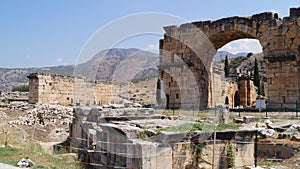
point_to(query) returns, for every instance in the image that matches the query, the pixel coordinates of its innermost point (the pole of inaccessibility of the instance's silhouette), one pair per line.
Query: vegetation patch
(137, 80)
(23, 88)
(230, 156)
(191, 127)
(235, 62)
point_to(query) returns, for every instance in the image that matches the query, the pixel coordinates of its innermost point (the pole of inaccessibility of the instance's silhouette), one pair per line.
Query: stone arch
(279, 38)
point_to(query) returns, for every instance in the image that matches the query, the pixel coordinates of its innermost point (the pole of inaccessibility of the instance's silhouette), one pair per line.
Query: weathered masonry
(187, 51)
(118, 141)
(67, 90)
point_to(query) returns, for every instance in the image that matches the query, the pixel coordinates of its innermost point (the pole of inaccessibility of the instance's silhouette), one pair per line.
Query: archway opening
(226, 100)
(236, 99)
(241, 55)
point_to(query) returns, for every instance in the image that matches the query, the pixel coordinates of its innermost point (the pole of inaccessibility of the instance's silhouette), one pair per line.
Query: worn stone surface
(267, 133)
(248, 119)
(187, 52)
(69, 90)
(126, 141)
(223, 114)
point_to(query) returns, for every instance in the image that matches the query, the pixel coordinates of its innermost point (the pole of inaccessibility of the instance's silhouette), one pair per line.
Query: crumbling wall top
(295, 12)
(39, 74)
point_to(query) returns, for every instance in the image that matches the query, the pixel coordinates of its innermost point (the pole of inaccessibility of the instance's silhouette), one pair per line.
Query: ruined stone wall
(196, 43)
(185, 78)
(247, 93)
(49, 88)
(282, 62)
(118, 142)
(67, 90)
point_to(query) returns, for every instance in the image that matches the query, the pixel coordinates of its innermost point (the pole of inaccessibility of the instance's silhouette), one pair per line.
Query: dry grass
(22, 144)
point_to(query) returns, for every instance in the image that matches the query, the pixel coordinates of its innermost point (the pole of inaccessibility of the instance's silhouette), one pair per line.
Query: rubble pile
(279, 130)
(45, 115)
(22, 106)
(17, 95)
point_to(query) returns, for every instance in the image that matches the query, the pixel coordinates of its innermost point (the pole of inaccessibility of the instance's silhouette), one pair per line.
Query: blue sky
(35, 33)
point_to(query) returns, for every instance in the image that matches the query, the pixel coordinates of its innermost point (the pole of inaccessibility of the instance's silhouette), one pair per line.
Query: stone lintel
(281, 57)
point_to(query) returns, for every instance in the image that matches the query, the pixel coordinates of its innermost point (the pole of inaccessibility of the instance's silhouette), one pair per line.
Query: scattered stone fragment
(261, 125)
(268, 121)
(280, 125)
(248, 119)
(3, 115)
(267, 133)
(238, 120)
(286, 134)
(296, 137)
(45, 115)
(296, 127)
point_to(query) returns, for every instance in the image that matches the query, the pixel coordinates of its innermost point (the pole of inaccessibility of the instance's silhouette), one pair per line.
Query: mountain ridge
(117, 64)
(101, 67)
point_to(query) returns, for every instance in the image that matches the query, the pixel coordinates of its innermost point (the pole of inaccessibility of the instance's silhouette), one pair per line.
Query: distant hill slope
(248, 64)
(116, 64)
(222, 54)
(10, 77)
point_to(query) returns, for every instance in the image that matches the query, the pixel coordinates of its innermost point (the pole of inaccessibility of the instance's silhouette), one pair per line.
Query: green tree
(158, 96)
(231, 156)
(262, 88)
(249, 54)
(24, 88)
(257, 78)
(226, 67)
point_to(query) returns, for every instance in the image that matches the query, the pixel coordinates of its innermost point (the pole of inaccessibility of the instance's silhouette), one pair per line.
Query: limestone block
(248, 119)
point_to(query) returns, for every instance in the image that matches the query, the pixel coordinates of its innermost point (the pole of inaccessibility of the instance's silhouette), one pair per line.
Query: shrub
(23, 88)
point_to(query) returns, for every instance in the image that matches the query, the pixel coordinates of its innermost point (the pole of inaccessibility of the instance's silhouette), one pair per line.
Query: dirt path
(5, 166)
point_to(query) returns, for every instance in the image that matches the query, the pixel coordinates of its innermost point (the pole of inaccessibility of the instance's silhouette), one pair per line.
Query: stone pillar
(223, 114)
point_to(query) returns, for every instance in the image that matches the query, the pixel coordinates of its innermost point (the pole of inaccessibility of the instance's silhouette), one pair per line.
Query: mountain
(222, 54)
(118, 65)
(10, 77)
(114, 64)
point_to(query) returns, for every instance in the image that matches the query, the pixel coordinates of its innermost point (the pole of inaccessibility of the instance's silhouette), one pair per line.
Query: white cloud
(27, 56)
(59, 60)
(151, 47)
(242, 45)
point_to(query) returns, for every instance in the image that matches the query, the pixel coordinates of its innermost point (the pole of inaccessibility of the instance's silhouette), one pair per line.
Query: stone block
(248, 119)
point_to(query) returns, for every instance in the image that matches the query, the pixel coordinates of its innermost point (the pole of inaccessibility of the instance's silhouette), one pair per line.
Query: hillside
(119, 65)
(222, 54)
(122, 64)
(114, 64)
(248, 64)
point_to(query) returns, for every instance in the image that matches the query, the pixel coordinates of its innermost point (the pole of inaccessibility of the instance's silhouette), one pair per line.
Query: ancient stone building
(68, 90)
(240, 92)
(187, 51)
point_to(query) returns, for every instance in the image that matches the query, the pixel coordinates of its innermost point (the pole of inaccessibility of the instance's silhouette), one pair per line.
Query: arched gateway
(187, 51)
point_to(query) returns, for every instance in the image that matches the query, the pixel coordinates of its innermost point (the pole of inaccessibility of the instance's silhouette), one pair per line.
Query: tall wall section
(69, 90)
